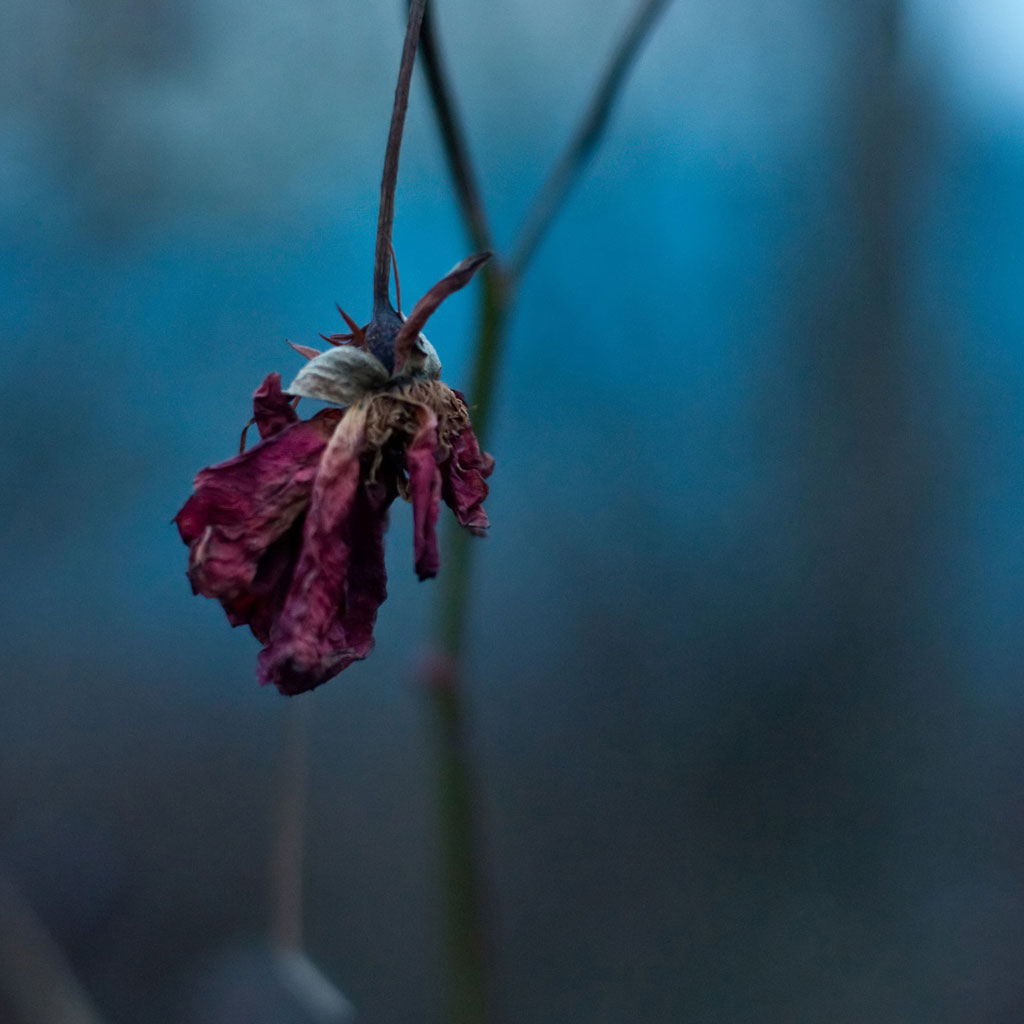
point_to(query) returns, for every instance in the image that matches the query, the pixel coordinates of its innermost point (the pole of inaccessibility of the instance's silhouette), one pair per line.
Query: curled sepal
(340, 376)
(458, 277)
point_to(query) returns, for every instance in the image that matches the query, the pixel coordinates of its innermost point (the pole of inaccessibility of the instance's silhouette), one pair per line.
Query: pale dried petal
(340, 375)
(422, 361)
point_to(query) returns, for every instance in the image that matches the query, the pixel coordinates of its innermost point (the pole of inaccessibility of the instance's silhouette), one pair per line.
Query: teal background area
(745, 672)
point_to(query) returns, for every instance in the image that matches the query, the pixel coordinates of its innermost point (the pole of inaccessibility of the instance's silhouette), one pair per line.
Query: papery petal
(259, 605)
(340, 375)
(304, 650)
(463, 475)
(425, 492)
(367, 581)
(240, 507)
(350, 636)
(271, 407)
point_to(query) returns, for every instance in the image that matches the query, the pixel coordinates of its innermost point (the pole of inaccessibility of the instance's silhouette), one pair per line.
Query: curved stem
(386, 213)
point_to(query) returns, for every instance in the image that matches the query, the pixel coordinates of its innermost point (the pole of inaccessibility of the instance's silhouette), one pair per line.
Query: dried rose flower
(289, 535)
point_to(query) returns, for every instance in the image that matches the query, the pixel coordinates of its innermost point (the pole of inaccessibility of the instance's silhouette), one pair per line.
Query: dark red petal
(350, 636)
(425, 491)
(367, 578)
(305, 647)
(259, 606)
(242, 506)
(271, 407)
(464, 474)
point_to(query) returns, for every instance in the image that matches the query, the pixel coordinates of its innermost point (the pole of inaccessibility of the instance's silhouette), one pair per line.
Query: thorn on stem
(305, 350)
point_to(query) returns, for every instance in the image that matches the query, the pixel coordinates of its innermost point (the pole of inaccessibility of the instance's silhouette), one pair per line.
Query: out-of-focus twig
(464, 178)
(471, 206)
(552, 194)
(36, 979)
(470, 961)
(288, 836)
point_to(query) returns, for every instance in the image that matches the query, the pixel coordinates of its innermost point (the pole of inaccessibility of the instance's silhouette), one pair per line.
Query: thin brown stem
(389, 180)
(550, 198)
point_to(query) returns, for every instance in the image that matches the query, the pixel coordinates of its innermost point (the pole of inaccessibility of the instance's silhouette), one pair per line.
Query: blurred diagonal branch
(467, 191)
(563, 176)
(288, 836)
(35, 976)
(500, 277)
(471, 969)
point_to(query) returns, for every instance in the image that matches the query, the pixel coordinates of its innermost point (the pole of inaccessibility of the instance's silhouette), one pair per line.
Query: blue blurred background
(746, 666)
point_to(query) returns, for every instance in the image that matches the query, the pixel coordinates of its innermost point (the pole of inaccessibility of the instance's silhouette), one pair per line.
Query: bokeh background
(746, 666)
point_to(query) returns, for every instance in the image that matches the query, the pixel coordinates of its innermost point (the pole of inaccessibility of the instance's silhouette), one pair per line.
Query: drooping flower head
(289, 535)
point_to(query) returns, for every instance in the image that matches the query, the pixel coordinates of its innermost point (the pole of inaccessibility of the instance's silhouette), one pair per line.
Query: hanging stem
(386, 213)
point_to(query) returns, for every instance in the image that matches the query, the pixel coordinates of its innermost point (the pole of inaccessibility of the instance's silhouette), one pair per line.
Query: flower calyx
(389, 349)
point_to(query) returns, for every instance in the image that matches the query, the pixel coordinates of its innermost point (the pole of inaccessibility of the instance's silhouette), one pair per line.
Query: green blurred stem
(471, 995)
(471, 978)
(468, 944)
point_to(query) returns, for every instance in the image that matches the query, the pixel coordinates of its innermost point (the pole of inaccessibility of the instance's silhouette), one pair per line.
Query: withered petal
(425, 492)
(272, 410)
(308, 644)
(340, 375)
(240, 507)
(261, 602)
(366, 586)
(464, 481)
